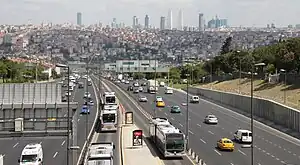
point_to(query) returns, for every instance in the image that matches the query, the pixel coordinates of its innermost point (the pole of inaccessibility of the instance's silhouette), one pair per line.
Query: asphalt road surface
(270, 146)
(142, 122)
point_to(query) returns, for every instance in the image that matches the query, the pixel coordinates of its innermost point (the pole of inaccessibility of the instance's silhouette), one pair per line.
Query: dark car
(80, 85)
(64, 99)
(130, 88)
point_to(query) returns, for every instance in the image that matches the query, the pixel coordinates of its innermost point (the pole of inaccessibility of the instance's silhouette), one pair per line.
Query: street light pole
(251, 111)
(87, 104)
(155, 85)
(68, 120)
(187, 112)
(284, 91)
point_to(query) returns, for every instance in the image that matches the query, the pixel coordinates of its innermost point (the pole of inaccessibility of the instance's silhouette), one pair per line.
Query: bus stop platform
(138, 154)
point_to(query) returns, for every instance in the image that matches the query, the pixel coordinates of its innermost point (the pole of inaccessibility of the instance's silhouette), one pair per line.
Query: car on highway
(159, 98)
(225, 144)
(64, 99)
(211, 119)
(123, 81)
(160, 104)
(130, 88)
(85, 110)
(144, 84)
(175, 109)
(32, 154)
(136, 91)
(80, 85)
(194, 99)
(127, 82)
(136, 84)
(87, 95)
(243, 136)
(141, 89)
(90, 102)
(68, 93)
(168, 90)
(143, 99)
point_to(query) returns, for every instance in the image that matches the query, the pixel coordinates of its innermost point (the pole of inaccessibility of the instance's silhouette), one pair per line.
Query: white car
(136, 84)
(243, 136)
(194, 99)
(123, 81)
(91, 102)
(168, 90)
(126, 82)
(141, 89)
(211, 119)
(87, 95)
(68, 94)
(143, 99)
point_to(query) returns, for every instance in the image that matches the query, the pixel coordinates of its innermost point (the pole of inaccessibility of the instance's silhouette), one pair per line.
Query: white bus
(109, 120)
(110, 98)
(101, 154)
(169, 140)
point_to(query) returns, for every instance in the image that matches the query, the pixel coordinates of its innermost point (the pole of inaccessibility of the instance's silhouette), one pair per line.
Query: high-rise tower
(162, 23)
(180, 20)
(170, 20)
(201, 22)
(134, 22)
(79, 18)
(146, 21)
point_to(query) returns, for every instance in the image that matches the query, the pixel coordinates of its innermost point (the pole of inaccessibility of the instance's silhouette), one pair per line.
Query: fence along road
(41, 108)
(269, 147)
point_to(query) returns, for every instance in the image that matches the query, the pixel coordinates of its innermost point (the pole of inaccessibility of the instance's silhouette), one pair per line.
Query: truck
(1, 159)
(101, 153)
(152, 86)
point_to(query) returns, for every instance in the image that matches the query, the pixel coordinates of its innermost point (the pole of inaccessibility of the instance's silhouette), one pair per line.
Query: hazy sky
(238, 12)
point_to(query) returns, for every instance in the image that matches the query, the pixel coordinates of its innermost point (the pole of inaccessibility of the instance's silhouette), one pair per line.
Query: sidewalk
(136, 155)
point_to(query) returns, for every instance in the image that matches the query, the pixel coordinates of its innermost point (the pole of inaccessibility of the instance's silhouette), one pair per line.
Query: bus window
(109, 118)
(111, 99)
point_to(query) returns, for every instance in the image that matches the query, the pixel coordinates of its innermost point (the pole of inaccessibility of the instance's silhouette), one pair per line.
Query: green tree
(226, 45)
(174, 74)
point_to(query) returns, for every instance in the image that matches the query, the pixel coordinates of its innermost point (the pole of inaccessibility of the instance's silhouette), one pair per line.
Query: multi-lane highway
(270, 146)
(142, 121)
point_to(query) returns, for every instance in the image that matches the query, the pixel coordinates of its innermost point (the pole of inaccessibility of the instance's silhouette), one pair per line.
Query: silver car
(211, 119)
(143, 99)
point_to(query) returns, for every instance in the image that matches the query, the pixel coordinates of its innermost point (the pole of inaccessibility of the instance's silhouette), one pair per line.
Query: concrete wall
(266, 109)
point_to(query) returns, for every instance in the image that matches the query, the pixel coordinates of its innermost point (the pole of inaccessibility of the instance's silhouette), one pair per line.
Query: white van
(32, 154)
(168, 90)
(162, 84)
(243, 136)
(194, 99)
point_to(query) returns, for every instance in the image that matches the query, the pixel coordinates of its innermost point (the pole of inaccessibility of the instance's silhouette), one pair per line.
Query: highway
(142, 122)
(270, 146)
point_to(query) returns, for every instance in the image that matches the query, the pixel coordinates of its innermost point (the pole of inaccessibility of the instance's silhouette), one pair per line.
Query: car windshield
(109, 118)
(29, 158)
(175, 107)
(211, 116)
(227, 141)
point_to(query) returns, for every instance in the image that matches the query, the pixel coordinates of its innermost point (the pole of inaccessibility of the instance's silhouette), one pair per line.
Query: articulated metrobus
(169, 140)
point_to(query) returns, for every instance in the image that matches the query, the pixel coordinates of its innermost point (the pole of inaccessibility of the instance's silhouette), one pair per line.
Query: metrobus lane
(268, 148)
(139, 119)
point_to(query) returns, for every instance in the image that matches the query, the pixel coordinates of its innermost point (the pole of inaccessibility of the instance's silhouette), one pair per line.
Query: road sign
(137, 137)
(129, 118)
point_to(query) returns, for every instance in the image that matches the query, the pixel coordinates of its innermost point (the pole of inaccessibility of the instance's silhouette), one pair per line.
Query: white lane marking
(191, 132)
(65, 115)
(211, 132)
(272, 156)
(218, 152)
(223, 128)
(289, 152)
(282, 162)
(181, 114)
(78, 119)
(203, 141)
(277, 159)
(180, 125)
(199, 125)
(55, 154)
(189, 118)
(294, 154)
(172, 118)
(63, 143)
(166, 114)
(242, 152)
(231, 164)
(263, 151)
(258, 164)
(15, 145)
(268, 153)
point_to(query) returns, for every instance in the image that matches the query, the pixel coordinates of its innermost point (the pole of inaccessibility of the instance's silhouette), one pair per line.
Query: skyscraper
(170, 20)
(134, 22)
(79, 18)
(162, 23)
(146, 21)
(201, 22)
(180, 20)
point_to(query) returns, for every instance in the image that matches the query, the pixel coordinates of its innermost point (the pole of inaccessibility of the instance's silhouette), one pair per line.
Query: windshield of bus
(29, 158)
(109, 118)
(175, 142)
(110, 99)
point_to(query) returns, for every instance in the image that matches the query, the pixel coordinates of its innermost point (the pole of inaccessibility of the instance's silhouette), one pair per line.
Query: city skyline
(245, 13)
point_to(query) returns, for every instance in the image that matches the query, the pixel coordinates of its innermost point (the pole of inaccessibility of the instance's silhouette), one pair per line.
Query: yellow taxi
(160, 104)
(225, 144)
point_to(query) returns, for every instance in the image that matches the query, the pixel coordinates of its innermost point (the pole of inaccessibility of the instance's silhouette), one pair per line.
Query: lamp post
(68, 111)
(86, 101)
(187, 112)
(155, 84)
(284, 91)
(240, 72)
(251, 110)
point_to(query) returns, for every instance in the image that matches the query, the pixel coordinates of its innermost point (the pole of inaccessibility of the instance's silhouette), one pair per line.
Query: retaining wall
(266, 109)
